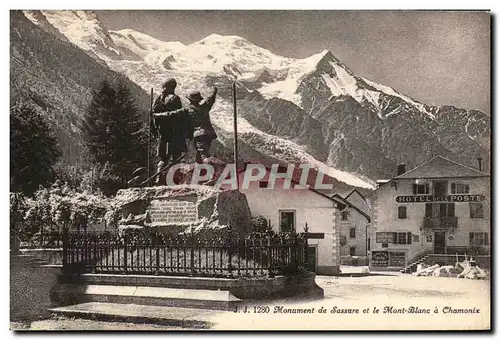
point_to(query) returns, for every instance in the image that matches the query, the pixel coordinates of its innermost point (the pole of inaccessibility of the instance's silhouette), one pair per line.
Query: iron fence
(153, 253)
(46, 237)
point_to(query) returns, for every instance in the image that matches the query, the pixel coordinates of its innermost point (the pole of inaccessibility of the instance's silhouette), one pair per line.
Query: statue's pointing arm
(174, 113)
(209, 102)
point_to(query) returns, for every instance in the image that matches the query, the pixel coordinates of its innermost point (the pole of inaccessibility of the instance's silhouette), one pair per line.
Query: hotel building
(439, 207)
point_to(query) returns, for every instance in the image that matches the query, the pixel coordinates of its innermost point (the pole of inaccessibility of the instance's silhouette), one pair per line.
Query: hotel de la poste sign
(431, 198)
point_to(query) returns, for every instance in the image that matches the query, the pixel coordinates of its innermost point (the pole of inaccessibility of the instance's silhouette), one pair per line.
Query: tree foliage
(17, 210)
(33, 149)
(261, 225)
(63, 206)
(114, 135)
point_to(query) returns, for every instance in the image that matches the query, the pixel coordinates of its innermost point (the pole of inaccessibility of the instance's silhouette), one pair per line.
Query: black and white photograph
(292, 170)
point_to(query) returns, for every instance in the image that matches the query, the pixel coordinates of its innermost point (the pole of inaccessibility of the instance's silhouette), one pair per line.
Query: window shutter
(442, 209)
(471, 210)
(471, 238)
(414, 189)
(395, 238)
(467, 188)
(408, 238)
(451, 209)
(453, 188)
(427, 188)
(428, 209)
(402, 212)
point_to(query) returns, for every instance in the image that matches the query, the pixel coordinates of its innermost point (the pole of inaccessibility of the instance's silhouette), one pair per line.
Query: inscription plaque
(173, 210)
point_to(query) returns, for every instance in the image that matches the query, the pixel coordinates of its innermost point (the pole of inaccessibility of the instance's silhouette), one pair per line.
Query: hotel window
(459, 188)
(440, 209)
(343, 240)
(478, 239)
(287, 221)
(402, 213)
(391, 237)
(402, 238)
(421, 189)
(384, 237)
(263, 184)
(352, 232)
(352, 251)
(344, 215)
(476, 210)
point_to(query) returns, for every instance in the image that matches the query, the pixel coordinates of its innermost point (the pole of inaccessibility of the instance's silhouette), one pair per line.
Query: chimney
(401, 169)
(479, 160)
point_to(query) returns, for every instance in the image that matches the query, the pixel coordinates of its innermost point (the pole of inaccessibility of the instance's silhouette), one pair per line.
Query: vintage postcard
(250, 170)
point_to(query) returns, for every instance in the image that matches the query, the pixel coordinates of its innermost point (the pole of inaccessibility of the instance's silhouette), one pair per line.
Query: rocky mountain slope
(57, 77)
(313, 110)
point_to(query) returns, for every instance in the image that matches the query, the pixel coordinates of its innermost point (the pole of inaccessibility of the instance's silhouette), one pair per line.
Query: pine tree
(114, 134)
(33, 149)
(132, 144)
(98, 130)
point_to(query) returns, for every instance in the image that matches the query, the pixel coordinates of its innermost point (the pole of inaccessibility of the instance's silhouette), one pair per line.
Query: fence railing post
(238, 247)
(306, 243)
(192, 252)
(157, 250)
(65, 240)
(125, 245)
(294, 249)
(270, 254)
(229, 251)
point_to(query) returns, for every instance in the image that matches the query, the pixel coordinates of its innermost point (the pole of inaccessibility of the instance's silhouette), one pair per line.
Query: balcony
(440, 222)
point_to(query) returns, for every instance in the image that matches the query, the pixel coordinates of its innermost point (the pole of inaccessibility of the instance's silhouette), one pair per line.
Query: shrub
(260, 225)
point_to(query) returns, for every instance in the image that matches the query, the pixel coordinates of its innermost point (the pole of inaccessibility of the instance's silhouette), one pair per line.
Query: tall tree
(33, 149)
(132, 141)
(98, 128)
(113, 133)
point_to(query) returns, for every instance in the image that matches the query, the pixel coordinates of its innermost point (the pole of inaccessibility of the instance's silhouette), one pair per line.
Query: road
(404, 302)
(374, 302)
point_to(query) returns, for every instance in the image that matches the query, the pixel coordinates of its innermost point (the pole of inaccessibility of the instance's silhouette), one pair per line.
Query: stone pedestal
(183, 208)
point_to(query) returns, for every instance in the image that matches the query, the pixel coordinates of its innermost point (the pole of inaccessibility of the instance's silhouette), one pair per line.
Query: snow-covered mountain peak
(146, 42)
(82, 28)
(333, 126)
(217, 39)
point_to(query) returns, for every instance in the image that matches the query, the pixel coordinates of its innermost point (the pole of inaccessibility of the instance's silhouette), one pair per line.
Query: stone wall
(31, 278)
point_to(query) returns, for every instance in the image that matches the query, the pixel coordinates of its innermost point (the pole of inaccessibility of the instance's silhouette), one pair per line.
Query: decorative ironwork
(440, 222)
(154, 253)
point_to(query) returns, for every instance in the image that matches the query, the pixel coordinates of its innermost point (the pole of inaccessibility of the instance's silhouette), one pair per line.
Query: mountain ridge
(316, 106)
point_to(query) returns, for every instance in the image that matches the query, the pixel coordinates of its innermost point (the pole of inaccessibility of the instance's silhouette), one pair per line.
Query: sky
(436, 57)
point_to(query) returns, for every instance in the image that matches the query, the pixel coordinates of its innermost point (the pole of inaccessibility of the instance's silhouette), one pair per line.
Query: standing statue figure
(202, 130)
(172, 129)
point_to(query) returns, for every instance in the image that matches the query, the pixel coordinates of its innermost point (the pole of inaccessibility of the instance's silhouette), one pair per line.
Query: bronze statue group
(176, 126)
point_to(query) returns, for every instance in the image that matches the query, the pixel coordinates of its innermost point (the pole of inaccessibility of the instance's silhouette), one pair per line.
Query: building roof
(350, 205)
(352, 192)
(441, 167)
(335, 198)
